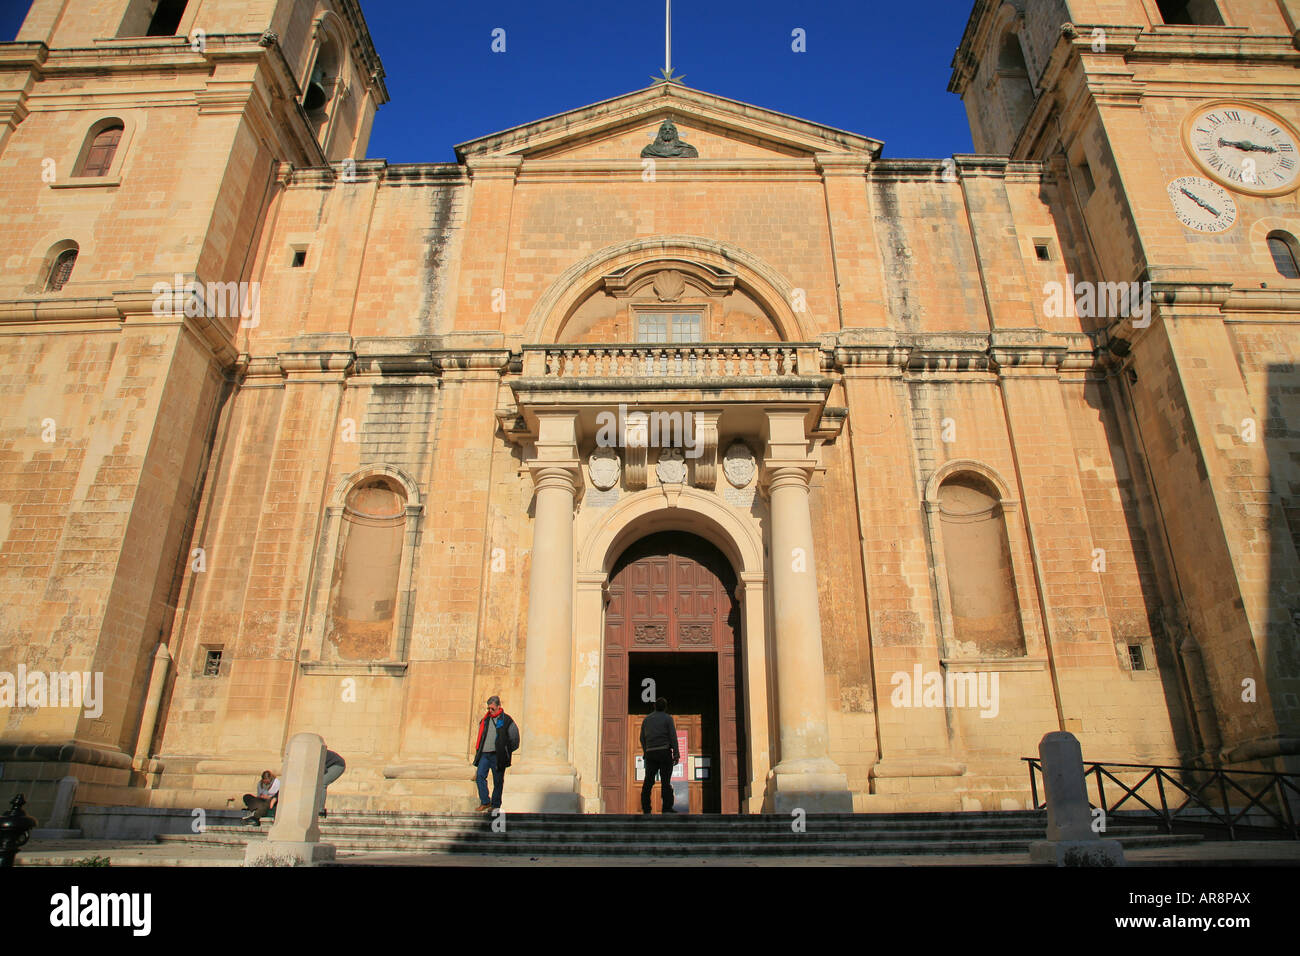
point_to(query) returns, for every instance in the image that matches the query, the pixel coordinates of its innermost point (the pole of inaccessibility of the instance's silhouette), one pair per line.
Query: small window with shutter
(1282, 245)
(103, 148)
(61, 271)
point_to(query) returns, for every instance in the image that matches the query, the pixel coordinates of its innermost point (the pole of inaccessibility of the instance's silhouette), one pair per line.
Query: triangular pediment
(718, 128)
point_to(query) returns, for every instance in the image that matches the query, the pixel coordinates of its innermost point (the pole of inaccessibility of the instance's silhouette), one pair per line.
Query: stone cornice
(378, 171)
(629, 170)
(962, 165)
(1001, 351)
(273, 87)
(339, 357)
(1263, 300)
(1207, 43)
(63, 315)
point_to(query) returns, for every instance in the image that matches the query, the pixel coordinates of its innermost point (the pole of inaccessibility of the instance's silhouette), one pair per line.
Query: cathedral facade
(878, 469)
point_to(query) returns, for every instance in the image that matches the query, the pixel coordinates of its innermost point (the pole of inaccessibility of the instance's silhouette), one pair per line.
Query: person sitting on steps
(268, 795)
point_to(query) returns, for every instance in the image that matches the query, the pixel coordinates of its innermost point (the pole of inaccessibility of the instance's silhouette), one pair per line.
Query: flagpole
(668, 37)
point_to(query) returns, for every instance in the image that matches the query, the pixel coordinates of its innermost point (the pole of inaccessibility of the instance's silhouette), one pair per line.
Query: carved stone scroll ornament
(668, 146)
(705, 449)
(604, 467)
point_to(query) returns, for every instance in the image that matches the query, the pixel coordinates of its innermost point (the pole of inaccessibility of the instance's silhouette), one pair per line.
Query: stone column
(544, 778)
(149, 721)
(805, 777)
(296, 833)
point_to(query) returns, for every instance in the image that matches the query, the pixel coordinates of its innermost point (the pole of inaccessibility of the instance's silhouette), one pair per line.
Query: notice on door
(679, 768)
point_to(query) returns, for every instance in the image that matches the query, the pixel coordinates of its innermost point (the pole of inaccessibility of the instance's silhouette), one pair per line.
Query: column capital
(556, 474)
(786, 472)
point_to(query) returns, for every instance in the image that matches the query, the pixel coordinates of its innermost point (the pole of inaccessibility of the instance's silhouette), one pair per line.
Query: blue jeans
(485, 763)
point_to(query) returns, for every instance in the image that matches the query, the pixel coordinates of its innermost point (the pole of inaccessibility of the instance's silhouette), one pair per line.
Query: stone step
(553, 834)
(866, 820)
(527, 846)
(397, 835)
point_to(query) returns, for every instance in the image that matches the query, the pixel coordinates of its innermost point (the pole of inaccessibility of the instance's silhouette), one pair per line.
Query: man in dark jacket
(659, 744)
(498, 738)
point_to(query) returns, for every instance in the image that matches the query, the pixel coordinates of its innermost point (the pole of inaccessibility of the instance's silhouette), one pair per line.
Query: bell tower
(141, 145)
(1173, 127)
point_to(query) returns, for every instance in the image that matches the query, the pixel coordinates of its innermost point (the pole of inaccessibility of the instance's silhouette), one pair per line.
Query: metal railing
(1254, 800)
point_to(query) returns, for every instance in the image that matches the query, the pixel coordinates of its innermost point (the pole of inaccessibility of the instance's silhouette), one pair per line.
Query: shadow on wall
(1281, 435)
(1135, 489)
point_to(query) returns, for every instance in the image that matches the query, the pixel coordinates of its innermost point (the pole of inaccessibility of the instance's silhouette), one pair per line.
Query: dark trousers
(485, 763)
(257, 806)
(658, 762)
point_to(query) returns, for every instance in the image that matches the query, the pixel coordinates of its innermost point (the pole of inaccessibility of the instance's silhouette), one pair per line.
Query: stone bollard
(60, 822)
(1071, 840)
(296, 833)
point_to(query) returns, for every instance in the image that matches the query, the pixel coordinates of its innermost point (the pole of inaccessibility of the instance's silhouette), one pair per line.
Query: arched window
(1282, 245)
(166, 18)
(1017, 92)
(60, 270)
(981, 582)
(98, 156)
(1203, 13)
(364, 590)
(322, 84)
(152, 18)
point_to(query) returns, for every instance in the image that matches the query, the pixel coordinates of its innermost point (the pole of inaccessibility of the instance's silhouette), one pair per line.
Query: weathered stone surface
(189, 479)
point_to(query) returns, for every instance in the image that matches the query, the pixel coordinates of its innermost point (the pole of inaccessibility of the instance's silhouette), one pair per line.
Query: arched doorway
(672, 618)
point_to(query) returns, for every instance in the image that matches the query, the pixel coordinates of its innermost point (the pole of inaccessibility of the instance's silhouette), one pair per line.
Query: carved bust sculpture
(668, 146)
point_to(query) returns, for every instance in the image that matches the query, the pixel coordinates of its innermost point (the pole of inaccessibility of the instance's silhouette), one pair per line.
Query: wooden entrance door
(690, 725)
(671, 596)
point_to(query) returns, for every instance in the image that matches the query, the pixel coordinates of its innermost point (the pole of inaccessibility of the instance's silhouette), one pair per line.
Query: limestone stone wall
(196, 491)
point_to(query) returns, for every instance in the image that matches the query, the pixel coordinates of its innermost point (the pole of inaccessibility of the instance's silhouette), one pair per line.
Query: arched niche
(982, 582)
(367, 558)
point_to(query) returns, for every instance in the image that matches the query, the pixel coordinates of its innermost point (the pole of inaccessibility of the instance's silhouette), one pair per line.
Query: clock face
(1202, 205)
(1246, 148)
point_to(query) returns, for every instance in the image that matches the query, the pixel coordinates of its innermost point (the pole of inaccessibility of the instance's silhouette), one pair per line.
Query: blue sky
(875, 67)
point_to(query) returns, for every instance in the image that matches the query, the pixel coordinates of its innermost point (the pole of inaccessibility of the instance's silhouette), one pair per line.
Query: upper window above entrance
(669, 303)
(669, 327)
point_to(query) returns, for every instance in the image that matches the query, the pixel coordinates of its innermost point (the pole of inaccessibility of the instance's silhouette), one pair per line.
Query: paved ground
(120, 853)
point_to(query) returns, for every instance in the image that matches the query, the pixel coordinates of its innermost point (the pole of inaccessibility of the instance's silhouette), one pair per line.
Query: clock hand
(1210, 209)
(1246, 147)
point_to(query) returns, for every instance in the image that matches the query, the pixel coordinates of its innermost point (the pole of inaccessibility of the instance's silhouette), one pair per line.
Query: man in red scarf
(498, 738)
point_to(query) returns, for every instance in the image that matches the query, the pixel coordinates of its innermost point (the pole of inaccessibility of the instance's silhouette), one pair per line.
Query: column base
(1077, 852)
(267, 853)
(541, 790)
(814, 786)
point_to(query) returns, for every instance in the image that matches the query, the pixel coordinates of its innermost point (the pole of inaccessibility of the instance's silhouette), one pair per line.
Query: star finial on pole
(667, 71)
